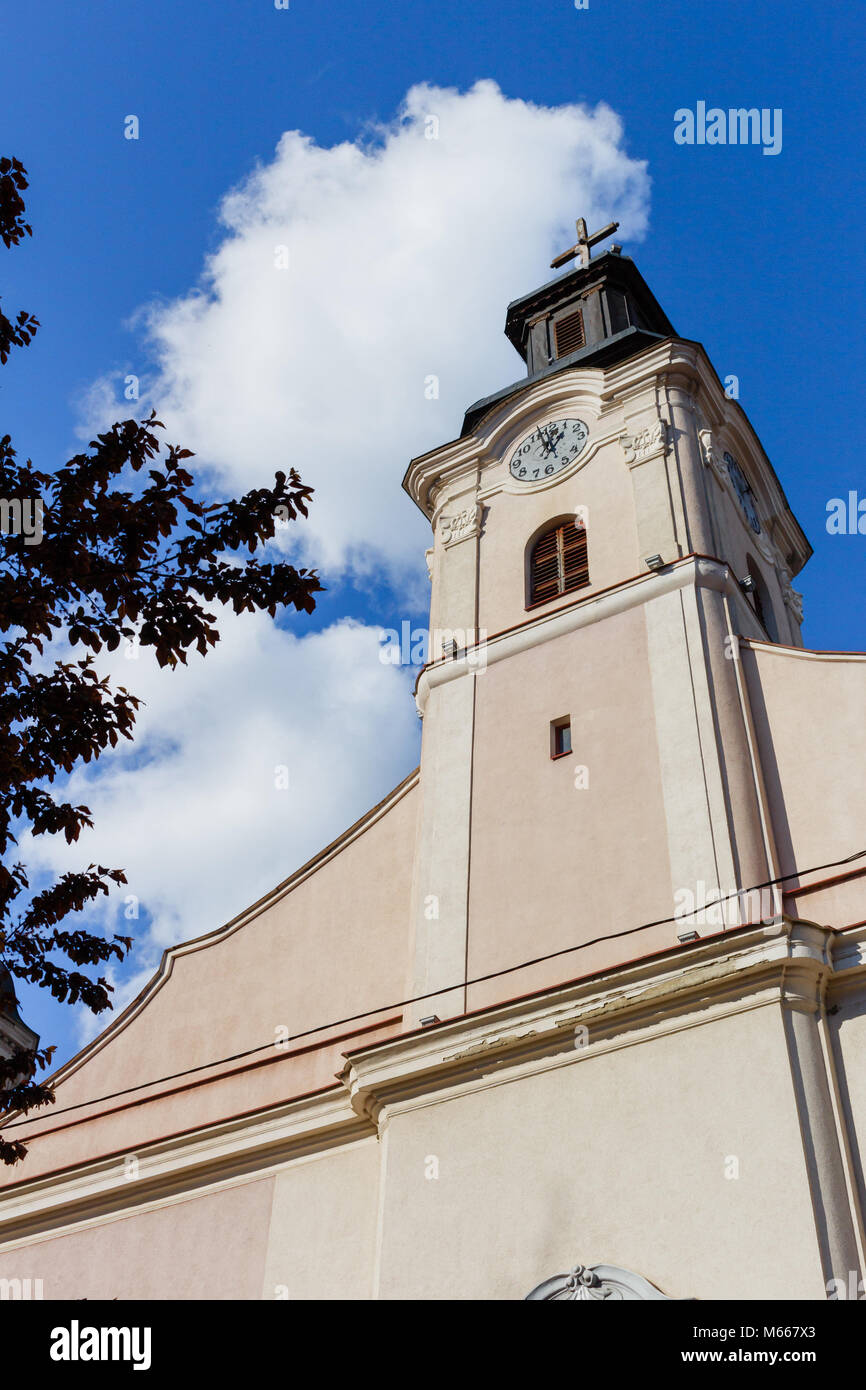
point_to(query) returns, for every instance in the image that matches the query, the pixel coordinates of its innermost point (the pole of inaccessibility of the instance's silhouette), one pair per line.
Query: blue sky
(758, 257)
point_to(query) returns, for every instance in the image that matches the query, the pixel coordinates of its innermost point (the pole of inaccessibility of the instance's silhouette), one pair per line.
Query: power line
(431, 994)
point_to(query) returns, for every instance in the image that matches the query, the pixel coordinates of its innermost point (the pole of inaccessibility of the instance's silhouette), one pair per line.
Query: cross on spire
(583, 244)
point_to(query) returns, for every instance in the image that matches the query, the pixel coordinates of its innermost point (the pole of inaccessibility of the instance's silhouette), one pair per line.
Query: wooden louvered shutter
(558, 563)
(569, 334)
(575, 569)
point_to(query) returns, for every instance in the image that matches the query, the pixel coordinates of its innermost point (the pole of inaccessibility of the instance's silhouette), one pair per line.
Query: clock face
(744, 493)
(548, 450)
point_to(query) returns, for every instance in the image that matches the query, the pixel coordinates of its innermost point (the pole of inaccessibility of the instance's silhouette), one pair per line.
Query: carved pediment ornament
(646, 443)
(595, 1283)
(462, 525)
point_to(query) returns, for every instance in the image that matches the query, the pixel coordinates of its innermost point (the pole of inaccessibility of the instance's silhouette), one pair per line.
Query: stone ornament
(712, 457)
(725, 467)
(647, 443)
(462, 526)
(595, 1283)
(792, 599)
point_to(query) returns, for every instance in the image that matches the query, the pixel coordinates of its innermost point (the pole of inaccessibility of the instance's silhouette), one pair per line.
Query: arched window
(558, 562)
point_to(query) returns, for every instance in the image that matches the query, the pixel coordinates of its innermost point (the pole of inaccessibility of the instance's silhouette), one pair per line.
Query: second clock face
(744, 493)
(548, 450)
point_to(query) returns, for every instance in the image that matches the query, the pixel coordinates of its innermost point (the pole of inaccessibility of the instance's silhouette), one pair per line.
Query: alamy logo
(417, 646)
(710, 906)
(736, 126)
(846, 516)
(22, 516)
(77, 1343)
(21, 1289)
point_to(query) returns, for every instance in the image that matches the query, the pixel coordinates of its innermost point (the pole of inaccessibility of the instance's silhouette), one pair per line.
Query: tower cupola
(597, 314)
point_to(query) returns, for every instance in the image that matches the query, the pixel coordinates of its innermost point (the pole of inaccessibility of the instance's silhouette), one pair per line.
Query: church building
(14, 1032)
(575, 1011)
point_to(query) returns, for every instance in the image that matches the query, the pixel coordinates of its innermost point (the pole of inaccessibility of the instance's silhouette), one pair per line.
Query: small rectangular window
(560, 738)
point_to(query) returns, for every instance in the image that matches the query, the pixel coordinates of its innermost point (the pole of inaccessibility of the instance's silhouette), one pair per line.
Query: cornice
(719, 976)
(441, 470)
(598, 387)
(693, 571)
(800, 653)
(605, 388)
(848, 958)
(17, 1032)
(792, 967)
(192, 1163)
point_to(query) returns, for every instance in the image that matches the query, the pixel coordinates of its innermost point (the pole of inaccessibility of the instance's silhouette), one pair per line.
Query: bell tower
(603, 531)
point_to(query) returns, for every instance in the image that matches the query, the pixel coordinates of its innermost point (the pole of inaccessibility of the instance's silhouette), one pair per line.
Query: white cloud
(403, 252)
(191, 810)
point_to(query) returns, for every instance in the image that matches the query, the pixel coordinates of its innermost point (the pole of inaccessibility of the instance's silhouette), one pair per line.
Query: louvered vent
(569, 334)
(558, 563)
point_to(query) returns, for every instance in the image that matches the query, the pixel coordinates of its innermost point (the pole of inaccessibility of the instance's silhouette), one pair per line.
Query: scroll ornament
(647, 443)
(792, 599)
(461, 526)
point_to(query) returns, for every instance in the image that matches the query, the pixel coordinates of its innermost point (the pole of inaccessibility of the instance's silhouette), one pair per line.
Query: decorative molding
(504, 482)
(790, 652)
(780, 531)
(455, 466)
(462, 525)
(710, 979)
(691, 570)
(712, 457)
(648, 443)
(792, 599)
(191, 1164)
(595, 1283)
(727, 973)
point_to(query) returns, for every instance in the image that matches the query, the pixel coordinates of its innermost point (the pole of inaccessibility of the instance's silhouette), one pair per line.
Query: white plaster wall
(322, 1238)
(618, 1158)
